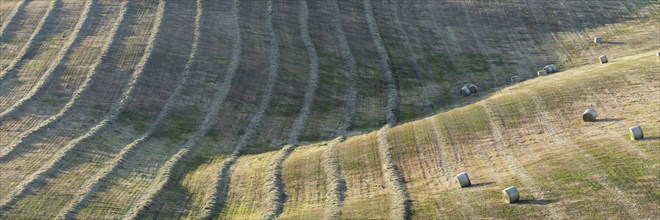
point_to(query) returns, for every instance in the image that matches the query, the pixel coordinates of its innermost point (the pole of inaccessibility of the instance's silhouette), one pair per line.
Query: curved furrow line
(273, 178)
(412, 55)
(94, 183)
(164, 173)
(350, 69)
(502, 148)
(313, 81)
(390, 83)
(272, 196)
(78, 93)
(31, 40)
(57, 63)
(558, 136)
(400, 204)
(273, 186)
(161, 180)
(213, 197)
(335, 180)
(12, 17)
(217, 197)
(117, 107)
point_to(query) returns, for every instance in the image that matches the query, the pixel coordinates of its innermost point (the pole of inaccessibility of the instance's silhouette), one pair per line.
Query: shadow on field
(610, 119)
(536, 202)
(481, 184)
(650, 139)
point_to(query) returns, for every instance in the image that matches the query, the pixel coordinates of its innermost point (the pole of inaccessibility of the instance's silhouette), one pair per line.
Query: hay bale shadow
(650, 139)
(536, 202)
(481, 184)
(610, 119)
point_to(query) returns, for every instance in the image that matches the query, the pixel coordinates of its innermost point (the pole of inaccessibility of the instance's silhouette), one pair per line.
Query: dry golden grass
(245, 196)
(306, 190)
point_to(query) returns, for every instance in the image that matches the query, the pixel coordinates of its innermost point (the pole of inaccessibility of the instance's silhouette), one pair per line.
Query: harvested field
(142, 109)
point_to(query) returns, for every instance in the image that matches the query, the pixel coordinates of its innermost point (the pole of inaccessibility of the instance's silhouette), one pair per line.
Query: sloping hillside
(197, 109)
(530, 136)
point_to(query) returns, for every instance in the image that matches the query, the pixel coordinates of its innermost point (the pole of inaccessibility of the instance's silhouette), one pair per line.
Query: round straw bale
(589, 115)
(598, 40)
(463, 180)
(550, 68)
(465, 91)
(547, 69)
(511, 194)
(636, 133)
(542, 73)
(603, 59)
(473, 88)
(657, 57)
